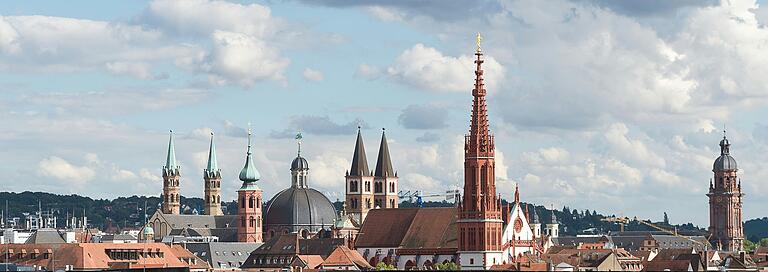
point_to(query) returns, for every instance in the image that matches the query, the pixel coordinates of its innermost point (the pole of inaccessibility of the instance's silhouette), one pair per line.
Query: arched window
(368, 203)
(258, 220)
(377, 187)
(251, 221)
(250, 202)
(391, 203)
(391, 187)
(367, 186)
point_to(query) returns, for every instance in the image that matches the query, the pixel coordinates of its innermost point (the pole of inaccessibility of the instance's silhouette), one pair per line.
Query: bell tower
(384, 178)
(725, 202)
(480, 223)
(171, 178)
(249, 202)
(359, 181)
(212, 180)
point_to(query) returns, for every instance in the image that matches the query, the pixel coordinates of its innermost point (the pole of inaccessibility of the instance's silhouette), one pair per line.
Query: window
(391, 203)
(250, 202)
(242, 202)
(367, 186)
(391, 187)
(378, 187)
(471, 261)
(353, 186)
(368, 203)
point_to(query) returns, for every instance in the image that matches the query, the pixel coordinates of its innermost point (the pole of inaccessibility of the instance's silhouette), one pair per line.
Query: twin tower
(365, 189)
(211, 177)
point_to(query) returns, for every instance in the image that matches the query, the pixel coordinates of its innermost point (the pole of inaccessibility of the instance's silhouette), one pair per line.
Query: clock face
(518, 224)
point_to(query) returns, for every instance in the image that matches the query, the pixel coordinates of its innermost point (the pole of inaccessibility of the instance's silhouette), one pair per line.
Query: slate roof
(178, 221)
(296, 206)
(409, 228)
(675, 265)
(576, 240)
(218, 254)
(384, 163)
(290, 244)
(359, 161)
(45, 236)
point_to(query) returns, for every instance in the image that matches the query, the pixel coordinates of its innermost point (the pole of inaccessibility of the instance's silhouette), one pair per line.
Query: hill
(128, 212)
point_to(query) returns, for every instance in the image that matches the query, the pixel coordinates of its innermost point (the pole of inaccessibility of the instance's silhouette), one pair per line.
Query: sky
(613, 106)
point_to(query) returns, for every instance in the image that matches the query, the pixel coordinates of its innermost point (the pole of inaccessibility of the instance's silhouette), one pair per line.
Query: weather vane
(298, 141)
(479, 39)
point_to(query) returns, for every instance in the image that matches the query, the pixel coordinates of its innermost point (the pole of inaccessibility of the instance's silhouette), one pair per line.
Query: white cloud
(312, 75)
(428, 69)
(368, 72)
(140, 70)
(65, 171)
(203, 17)
(241, 59)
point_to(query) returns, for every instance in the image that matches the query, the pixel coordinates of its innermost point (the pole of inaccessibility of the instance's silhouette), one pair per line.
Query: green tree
(764, 242)
(384, 266)
(451, 266)
(749, 246)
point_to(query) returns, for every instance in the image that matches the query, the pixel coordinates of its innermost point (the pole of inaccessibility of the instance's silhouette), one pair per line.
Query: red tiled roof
(343, 256)
(409, 228)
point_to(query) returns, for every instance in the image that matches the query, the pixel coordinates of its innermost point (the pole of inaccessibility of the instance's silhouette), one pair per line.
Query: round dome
(300, 208)
(299, 163)
(723, 163)
(149, 230)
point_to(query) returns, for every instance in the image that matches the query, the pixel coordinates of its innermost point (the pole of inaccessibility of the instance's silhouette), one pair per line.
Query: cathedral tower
(249, 202)
(359, 182)
(171, 177)
(480, 223)
(212, 179)
(725, 202)
(384, 179)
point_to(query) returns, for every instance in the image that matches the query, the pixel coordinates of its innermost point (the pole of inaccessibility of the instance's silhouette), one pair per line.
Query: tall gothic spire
(249, 174)
(170, 161)
(384, 163)
(479, 139)
(359, 161)
(213, 165)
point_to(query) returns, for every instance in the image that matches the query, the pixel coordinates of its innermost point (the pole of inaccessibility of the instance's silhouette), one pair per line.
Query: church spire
(170, 161)
(213, 165)
(359, 161)
(249, 174)
(479, 142)
(384, 163)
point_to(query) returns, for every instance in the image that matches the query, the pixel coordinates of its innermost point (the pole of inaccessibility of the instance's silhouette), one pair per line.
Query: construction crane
(418, 196)
(625, 220)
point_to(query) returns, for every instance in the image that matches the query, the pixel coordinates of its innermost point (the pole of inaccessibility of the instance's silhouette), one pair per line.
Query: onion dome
(725, 162)
(249, 175)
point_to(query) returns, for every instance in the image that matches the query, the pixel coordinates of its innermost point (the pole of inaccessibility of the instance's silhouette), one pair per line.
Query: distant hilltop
(128, 213)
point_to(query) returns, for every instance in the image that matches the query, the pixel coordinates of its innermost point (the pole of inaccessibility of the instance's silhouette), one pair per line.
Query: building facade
(725, 202)
(480, 223)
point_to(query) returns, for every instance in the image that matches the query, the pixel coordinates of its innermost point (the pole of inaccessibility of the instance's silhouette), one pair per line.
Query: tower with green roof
(171, 178)
(249, 201)
(212, 179)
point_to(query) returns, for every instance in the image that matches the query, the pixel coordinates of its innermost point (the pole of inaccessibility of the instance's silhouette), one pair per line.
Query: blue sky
(611, 106)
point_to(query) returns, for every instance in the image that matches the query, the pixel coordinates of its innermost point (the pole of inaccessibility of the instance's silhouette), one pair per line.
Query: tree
(451, 266)
(384, 266)
(749, 246)
(666, 219)
(764, 242)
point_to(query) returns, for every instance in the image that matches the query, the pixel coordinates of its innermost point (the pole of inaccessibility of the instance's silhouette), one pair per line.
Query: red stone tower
(171, 178)
(725, 203)
(480, 222)
(249, 202)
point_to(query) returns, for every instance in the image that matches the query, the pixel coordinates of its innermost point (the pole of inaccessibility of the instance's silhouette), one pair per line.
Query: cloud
(367, 72)
(241, 59)
(426, 68)
(428, 137)
(203, 17)
(429, 116)
(319, 125)
(111, 102)
(64, 171)
(312, 75)
(140, 70)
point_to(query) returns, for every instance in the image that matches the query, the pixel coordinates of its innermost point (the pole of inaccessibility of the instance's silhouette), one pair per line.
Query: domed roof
(148, 230)
(300, 206)
(725, 162)
(299, 163)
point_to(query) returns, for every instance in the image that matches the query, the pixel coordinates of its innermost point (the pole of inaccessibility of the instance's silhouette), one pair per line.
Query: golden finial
(479, 39)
